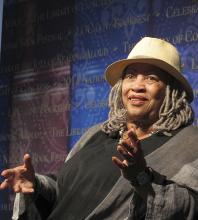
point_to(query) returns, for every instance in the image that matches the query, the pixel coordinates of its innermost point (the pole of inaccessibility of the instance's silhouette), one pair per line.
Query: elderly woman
(149, 137)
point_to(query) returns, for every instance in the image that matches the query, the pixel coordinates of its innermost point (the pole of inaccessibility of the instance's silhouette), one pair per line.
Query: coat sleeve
(178, 199)
(38, 205)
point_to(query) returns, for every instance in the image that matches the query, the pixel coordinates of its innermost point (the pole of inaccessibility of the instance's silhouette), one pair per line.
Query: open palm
(21, 178)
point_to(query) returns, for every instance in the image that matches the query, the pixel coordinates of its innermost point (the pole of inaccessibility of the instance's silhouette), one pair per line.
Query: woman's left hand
(133, 159)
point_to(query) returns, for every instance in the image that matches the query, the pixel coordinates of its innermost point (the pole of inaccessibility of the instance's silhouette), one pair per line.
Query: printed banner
(55, 54)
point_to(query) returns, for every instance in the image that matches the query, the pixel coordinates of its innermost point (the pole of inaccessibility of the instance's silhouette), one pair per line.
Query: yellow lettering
(195, 91)
(172, 12)
(194, 63)
(191, 36)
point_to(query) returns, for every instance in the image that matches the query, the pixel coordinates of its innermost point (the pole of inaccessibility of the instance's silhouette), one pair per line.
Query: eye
(152, 78)
(129, 76)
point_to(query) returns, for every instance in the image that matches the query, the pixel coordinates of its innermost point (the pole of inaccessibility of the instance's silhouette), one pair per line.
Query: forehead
(144, 68)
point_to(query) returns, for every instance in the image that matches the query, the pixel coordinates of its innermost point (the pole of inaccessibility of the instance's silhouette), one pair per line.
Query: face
(143, 91)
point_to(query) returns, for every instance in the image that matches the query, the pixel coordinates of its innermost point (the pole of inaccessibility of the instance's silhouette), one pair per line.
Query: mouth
(137, 100)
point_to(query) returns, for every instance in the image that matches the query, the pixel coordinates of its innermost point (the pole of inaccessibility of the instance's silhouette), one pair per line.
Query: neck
(141, 130)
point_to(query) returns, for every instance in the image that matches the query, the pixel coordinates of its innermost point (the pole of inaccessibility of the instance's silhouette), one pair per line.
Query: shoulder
(188, 132)
(84, 139)
(191, 128)
(187, 137)
(181, 149)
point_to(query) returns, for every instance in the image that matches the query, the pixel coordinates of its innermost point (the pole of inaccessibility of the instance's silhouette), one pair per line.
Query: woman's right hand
(21, 178)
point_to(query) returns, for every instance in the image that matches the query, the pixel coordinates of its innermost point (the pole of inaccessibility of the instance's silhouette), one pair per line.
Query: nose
(139, 84)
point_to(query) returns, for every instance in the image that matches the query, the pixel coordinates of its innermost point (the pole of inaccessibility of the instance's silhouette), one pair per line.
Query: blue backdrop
(106, 32)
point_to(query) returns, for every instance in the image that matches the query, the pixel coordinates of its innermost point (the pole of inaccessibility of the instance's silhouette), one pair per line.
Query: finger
(27, 190)
(126, 163)
(118, 163)
(4, 184)
(131, 150)
(11, 173)
(124, 152)
(133, 138)
(7, 173)
(27, 161)
(17, 188)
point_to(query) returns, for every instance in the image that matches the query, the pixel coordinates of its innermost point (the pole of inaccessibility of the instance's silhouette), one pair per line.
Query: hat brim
(114, 72)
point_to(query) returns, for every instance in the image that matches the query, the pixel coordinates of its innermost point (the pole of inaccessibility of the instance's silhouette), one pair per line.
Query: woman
(148, 124)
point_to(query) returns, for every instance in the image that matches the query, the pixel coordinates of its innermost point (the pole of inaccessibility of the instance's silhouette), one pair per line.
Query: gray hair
(174, 112)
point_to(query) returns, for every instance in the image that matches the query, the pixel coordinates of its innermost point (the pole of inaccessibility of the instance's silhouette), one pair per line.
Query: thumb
(118, 163)
(27, 162)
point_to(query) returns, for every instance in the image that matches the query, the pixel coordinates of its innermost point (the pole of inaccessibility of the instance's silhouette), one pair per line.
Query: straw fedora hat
(153, 51)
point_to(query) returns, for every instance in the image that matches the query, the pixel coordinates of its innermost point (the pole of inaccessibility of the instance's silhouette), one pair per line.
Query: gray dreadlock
(174, 112)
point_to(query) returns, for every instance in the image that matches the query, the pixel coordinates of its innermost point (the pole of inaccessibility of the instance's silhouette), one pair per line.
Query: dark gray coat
(177, 159)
